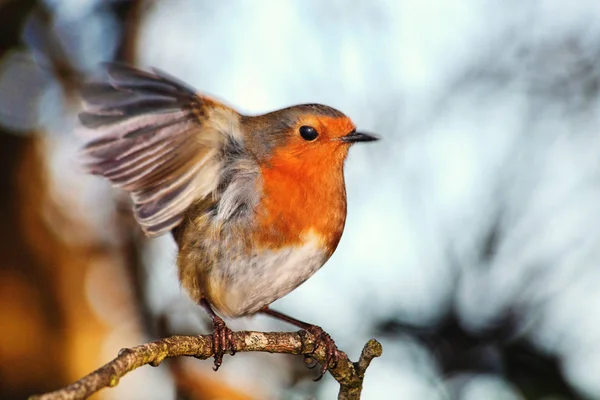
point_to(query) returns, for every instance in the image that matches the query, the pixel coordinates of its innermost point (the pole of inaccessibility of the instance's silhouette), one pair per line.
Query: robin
(256, 204)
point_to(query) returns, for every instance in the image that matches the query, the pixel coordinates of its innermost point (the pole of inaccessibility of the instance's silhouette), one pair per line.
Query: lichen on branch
(349, 375)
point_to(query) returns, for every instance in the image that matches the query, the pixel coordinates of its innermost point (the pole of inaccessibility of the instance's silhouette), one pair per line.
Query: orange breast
(301, 198)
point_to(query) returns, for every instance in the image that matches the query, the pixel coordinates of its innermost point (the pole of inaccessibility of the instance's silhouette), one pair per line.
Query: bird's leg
(322, 337)
(222, 336)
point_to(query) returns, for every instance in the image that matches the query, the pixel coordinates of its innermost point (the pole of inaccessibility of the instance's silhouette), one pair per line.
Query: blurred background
(472, 247)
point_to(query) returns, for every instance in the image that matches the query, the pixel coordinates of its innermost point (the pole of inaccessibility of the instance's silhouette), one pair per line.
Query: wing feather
(153, 137)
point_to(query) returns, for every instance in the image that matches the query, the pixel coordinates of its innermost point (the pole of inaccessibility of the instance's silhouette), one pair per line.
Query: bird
(255, 203)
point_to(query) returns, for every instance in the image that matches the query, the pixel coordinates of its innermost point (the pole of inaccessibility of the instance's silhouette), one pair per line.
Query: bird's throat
(300, 201)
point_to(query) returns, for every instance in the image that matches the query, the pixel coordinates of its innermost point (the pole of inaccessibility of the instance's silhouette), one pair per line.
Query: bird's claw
(310, 361)
(222, 341)
(331, 352)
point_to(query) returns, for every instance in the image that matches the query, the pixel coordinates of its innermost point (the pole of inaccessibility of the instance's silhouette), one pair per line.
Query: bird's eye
(308, 133)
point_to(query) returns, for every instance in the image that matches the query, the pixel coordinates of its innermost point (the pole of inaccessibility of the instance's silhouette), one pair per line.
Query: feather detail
(157, 139)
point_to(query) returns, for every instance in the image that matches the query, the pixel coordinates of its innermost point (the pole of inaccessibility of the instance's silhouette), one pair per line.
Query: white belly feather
(249, 283)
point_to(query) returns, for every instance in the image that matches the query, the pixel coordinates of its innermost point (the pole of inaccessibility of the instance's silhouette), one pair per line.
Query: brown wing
(157, 139)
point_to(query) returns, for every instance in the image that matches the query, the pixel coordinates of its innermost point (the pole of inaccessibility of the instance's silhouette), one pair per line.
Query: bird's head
(307, 136)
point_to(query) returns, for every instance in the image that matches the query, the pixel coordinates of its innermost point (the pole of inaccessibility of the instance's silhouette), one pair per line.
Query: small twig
(348, 374)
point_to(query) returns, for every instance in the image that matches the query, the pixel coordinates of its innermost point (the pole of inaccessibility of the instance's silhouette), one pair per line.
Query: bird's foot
(322, 338)
(332, 355)
(222, 336)
(222, 341)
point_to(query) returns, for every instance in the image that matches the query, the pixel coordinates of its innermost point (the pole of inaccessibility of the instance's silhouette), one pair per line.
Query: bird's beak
(354, 137)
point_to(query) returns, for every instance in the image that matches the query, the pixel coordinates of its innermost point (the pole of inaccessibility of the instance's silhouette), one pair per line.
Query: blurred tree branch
(348, 374)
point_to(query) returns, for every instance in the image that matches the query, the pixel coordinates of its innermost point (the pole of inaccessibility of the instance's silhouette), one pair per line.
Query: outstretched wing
(158, 140)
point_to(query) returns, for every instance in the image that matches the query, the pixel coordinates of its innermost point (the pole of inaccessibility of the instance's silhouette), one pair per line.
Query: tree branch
(348, 374)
